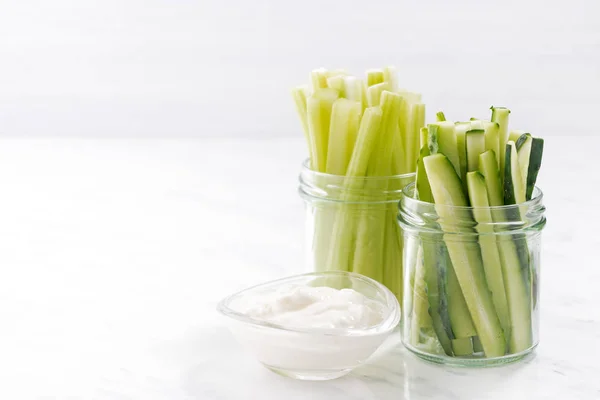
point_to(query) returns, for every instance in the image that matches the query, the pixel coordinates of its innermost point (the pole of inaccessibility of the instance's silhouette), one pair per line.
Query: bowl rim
(385, 326)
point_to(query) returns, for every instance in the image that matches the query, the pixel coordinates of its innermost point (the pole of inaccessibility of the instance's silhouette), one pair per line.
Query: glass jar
(351, 225)
(471, 289)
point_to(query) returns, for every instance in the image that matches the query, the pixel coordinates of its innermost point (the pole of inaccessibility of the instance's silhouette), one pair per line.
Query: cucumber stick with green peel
(442, 139)
(500, 116)
(433, 261)
(513, 261)
(475, 145)
(464, 252)
(492, 264)
(460, 320)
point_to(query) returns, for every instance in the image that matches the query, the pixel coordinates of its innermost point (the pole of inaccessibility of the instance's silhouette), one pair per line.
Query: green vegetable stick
(299, 95)
(318, 111)
(423, 134)
(420, 315)
(440, 116)
(345, 119)
(341, 248)
(464, 252)
(390, 75)
(489, 249)
(417, 121)
(353, 89)
(318, 79)
(374, 93)
(500, 116)
(369, 239)
(337, 83)
(492, 136)
(374, 76)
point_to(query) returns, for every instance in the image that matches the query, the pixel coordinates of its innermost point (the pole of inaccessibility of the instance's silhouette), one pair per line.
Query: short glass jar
(351, 224)
(471, 289)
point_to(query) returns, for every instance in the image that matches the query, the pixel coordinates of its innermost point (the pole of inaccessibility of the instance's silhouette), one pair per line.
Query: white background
(224, 68)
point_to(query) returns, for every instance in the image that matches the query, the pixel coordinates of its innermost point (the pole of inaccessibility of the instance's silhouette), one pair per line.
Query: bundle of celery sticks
(475, 291)
(360, 129)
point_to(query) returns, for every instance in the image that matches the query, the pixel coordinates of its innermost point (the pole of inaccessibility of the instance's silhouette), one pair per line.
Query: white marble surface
(114, 253)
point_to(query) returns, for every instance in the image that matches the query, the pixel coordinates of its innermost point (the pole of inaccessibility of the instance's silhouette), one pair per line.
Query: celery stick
(423, 134)
(341, 249)
(369, 238)
(337, 83)
(318, 110)
(398, 154)
(417, 121)
(423, 190)
(390, 75)
(500, 116)
(299, 95)
(336, 72)
(410, 97)
(318, 79)
(345, 118)
(392, 261)
(365, 142)
(353, 88)
(440, 116)
(374, 77)
(374, 93)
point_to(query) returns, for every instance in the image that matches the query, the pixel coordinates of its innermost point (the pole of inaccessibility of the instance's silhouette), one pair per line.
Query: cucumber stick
(489, 249)
(421, 320)
(514, 185)
(442, 139)
(460, 131)
(515, 257)
(529, 154)
(475, 144)
(464, 252)
(460, 319)
(488, 167)
(492, 136)
(436, 292)
(535, 162)
(423, 191)
(500, 116)
(515, 279)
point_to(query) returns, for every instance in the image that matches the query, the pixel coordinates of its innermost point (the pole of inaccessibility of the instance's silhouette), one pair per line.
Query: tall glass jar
(471, 289)
(351, 224)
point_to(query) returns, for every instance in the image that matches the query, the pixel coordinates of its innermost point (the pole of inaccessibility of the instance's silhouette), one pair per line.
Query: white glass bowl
(312, 353)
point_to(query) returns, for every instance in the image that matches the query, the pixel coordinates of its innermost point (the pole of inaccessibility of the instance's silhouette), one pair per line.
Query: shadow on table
(213, 366)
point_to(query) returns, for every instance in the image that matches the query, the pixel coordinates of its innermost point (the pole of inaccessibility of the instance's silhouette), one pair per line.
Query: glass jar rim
(365, 190)
(308, 170)
(534, 202)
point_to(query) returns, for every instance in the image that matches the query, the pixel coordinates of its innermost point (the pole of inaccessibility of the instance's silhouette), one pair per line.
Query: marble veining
(115, 252)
